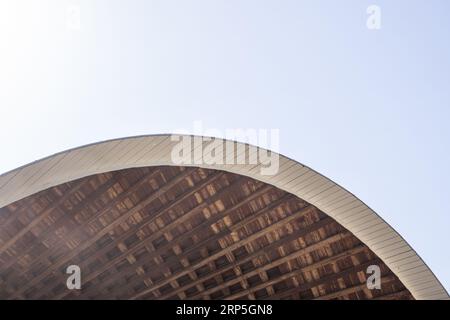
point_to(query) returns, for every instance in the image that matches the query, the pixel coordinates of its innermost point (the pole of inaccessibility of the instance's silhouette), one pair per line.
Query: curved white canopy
(292, 177)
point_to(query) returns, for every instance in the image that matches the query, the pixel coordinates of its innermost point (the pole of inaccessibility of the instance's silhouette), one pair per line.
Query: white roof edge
(155, 150)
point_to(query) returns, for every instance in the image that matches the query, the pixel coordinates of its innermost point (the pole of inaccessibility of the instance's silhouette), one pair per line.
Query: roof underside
(171, 232)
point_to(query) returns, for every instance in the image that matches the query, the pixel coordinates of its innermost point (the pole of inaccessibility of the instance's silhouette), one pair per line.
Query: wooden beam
(307, 286)
(343, 292)
(234, 246)
(264, 251)
(197, 246)
(132, 231)
(78, 207)
(400, 295)
(156, 252)
(27, 203)
(81, 228)
(61, 261)
(330, 260)
(44, 214)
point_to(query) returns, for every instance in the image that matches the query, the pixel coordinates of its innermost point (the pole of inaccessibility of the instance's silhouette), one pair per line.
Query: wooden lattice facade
(181, 233)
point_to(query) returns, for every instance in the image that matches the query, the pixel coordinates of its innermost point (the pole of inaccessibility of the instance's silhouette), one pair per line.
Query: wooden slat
(294, 255)
(151, 219)
(331, 260)
(306, 286)
(81, 229)
(189, 233)
(60, 262)
(216, 237)
(102, 189)
(40, 218)
(201, 228)
(234, 246)
(384, 279)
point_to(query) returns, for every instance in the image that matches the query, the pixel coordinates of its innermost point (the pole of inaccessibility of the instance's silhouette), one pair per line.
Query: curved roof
(292, 177)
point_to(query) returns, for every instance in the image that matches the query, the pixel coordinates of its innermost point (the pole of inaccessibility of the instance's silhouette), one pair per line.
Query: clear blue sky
(368, 109)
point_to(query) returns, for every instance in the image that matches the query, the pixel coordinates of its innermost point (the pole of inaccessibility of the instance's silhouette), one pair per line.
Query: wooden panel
(184, 233)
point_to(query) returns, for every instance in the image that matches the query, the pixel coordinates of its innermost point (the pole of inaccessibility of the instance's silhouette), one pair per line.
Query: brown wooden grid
(181, 233)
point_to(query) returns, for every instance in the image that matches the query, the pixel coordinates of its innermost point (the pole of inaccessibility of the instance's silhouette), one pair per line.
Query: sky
(368, 108)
